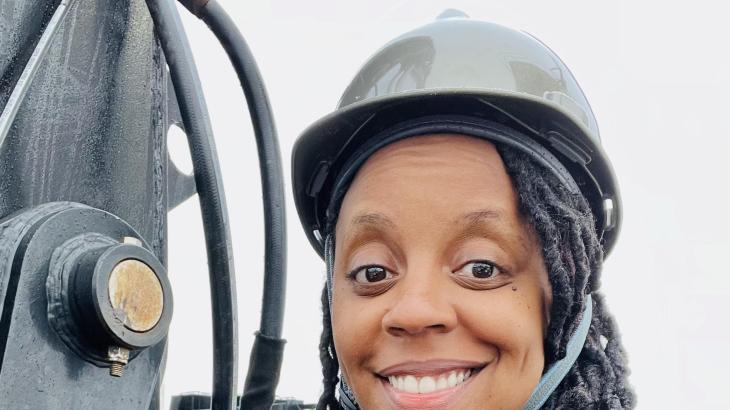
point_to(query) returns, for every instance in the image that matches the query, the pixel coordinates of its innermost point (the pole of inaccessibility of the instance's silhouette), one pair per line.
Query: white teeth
(426, 385)
(452, 379)
(410, 384)
(429, 384)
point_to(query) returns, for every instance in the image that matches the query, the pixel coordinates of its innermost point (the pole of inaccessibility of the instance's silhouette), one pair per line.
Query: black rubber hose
(266, 356)
(185, 80)
(272, 181)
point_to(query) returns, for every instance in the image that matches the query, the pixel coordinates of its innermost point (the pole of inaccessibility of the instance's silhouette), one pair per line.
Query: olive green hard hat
(458, 75)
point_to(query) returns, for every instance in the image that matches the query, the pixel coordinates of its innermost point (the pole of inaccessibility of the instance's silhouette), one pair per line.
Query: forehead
(436, 177)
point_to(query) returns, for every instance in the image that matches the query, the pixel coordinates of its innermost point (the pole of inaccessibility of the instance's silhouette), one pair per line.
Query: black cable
(185, 80)
(272, 181)
(267, 354)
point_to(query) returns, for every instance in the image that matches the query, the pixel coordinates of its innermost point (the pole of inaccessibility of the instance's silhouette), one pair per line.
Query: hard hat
(450, 76)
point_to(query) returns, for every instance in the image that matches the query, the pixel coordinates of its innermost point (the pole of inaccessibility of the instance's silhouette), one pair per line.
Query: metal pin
(130, 240)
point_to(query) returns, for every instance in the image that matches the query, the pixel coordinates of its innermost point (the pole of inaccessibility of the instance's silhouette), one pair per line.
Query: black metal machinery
(88, 91)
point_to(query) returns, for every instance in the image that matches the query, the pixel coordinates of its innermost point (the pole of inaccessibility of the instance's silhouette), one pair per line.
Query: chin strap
(548, 382)
(555, 374)
(347, 401)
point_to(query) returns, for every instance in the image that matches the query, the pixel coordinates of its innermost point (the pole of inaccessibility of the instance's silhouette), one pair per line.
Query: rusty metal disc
(136, 295)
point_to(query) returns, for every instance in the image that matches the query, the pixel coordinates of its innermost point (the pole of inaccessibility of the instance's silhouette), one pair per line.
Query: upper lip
(429, 367)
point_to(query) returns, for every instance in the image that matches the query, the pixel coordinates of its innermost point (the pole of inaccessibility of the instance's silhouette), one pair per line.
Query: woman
(463, 205)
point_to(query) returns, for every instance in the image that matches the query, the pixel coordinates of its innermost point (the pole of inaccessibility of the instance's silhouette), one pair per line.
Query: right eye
(371, 274)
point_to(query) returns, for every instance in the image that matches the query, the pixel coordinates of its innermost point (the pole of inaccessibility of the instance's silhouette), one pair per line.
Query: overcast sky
(656, 75)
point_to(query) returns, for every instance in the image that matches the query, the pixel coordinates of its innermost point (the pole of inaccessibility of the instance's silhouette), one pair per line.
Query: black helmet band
(445, 124)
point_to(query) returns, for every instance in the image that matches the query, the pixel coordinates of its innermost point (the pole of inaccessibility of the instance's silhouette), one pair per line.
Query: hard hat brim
(317, 151)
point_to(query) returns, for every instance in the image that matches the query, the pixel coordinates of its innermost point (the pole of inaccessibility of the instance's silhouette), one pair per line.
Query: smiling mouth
(408, 383)
(420, 386)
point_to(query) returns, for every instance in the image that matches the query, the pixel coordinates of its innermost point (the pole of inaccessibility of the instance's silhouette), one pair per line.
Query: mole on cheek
(514, 288)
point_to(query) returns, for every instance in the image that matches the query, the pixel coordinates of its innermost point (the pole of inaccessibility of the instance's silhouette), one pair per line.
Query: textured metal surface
(31, 68)
(38, 370)
(12, 233)
(92, 129)
(21, 22)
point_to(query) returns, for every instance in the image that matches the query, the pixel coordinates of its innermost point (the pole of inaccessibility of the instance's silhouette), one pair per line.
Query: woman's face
(440, 291)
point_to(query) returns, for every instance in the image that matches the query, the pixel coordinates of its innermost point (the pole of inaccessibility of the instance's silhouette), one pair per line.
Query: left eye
(478, 269)
(372, 274)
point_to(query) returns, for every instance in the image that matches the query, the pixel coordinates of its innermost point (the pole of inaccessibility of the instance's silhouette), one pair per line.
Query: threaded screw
(118, 357)
(116, 369)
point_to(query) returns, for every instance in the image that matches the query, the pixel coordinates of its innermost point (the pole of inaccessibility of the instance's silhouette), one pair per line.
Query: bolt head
(118, 355)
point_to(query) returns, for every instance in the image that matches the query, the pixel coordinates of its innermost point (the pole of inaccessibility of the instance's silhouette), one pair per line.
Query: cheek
(355, 328)
(511, 321)
(358, 337)
(510, 318)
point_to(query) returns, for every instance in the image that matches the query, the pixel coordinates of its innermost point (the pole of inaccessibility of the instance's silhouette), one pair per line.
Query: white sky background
(656, 75)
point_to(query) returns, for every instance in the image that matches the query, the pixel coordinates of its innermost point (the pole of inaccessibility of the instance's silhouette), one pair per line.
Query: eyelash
(500, 270)
(495, 281)
(371, 289)
(352, 275)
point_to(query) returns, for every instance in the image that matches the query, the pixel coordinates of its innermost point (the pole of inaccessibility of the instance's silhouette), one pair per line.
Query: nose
(422, 307)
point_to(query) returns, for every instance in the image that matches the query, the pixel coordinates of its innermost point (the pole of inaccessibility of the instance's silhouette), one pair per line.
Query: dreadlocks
(328, 357)
(573, 256)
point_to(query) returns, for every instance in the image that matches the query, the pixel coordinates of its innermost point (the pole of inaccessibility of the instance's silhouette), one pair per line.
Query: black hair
(573, 256)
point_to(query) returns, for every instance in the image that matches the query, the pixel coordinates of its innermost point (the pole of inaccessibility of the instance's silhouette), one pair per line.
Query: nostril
(438, 327)
(414, 314)
(417, 330)
(401, 331)
(397, 331)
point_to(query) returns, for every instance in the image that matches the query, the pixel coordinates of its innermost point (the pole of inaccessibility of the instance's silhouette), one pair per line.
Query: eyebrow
(372, 219)
(473, 220)
(366, 227)
(481, 216)
(488, 222)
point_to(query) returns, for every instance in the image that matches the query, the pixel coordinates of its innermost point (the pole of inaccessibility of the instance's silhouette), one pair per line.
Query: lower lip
(435, 400)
